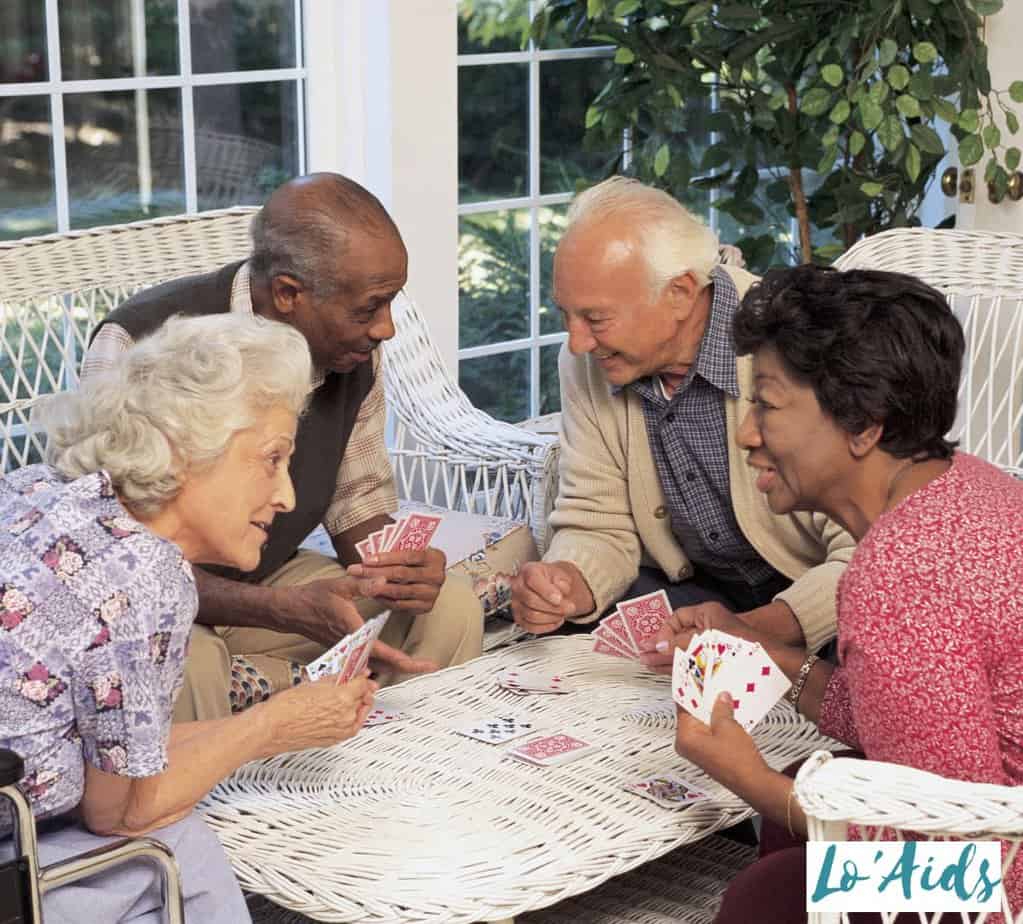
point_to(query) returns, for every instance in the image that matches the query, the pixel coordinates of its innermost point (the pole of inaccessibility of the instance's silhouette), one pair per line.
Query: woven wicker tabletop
(410, 822)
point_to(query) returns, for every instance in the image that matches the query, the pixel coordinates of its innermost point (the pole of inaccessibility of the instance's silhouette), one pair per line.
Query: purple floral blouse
(95, 612)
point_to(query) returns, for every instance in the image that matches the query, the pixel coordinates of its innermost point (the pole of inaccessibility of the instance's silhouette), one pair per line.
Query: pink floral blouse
(95, 613)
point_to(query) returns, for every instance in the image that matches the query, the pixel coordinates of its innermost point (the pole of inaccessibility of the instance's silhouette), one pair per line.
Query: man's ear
(285, 291)
(860, 444)
(685, 289)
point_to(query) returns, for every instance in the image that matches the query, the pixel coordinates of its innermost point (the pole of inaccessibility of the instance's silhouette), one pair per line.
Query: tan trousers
(451, 633)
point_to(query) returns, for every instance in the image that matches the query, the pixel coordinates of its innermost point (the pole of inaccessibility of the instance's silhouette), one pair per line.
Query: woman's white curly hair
(170, 406)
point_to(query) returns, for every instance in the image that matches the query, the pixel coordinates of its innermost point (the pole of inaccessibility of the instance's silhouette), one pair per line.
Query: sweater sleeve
(592, 520)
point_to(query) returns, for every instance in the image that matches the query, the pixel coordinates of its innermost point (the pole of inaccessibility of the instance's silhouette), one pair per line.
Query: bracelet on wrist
(796, 690)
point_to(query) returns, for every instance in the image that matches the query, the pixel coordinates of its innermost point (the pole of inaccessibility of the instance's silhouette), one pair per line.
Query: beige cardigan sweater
(611, 514)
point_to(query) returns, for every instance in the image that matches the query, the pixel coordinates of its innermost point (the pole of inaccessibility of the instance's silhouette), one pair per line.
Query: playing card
(552, 750)
(532, 681)
(755, 683)
(668, 790)
(602, 646)
(383, 716)
(374, 541)
(644, 616)
(362, 645)
(415, 532)
(497, 729)
(387, 534)
(364, 548)
(619, 628)
(330, 661)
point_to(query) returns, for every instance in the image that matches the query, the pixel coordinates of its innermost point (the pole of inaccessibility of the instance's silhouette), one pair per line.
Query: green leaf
(871, 189)
(971, 149)
(969, 121)
(1012, 158)
(856, 142)
(840, 114)
(1016, 91)
(927, 140)
(593, 116)
(898, 77)
(921, 85)
(816, 101)
(986, 7)
(739, 14)
(912, 162)
(908, 106)
(778, 99)
(992, 136)
(661, 160)
(889, 133)
(624, 56)
(828, 161)
(832, 74)
(878, 91)
(626, 8)
(871, 114)
(1011, 122)
(887, 52)
(717, 155)
(696, 13)
(925, 52)
(945, 110)
(594, 8)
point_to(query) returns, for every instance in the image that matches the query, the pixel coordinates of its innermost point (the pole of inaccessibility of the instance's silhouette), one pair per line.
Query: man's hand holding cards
(634, 622)
(400, 553)
(716, 662)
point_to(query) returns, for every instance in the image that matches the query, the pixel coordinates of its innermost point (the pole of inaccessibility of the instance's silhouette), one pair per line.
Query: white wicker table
(410, 822)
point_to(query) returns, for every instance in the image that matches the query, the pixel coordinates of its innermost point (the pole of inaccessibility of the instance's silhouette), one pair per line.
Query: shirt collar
(715, 361)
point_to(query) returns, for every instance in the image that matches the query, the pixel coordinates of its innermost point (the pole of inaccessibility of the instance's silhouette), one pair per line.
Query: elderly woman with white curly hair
(178, 455)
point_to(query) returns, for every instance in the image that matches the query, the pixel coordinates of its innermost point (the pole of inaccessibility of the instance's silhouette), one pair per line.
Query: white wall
(1002, 34)
(383, 109)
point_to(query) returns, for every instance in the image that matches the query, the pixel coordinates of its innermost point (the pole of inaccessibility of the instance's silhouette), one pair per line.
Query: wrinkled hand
(546, 593)
(323, 610)
(682, 625)
(724, 750)
(318, 714)
(410, 580)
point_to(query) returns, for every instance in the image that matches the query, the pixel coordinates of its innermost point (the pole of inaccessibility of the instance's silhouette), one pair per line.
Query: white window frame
(56, 88)
(534, 200)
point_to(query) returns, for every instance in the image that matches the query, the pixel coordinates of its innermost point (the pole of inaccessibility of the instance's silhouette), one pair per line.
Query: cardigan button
(661, 513)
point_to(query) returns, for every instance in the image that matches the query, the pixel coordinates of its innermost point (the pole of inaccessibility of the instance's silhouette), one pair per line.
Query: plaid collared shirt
(689, 441)
(365, 483)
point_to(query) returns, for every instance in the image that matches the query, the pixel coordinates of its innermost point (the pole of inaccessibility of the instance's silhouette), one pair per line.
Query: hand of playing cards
(412, 532)
(716, 662)
(349, 657)
(635, 621)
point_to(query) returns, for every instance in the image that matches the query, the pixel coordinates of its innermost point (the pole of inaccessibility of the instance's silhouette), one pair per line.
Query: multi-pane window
(116, 110)
(521, 115)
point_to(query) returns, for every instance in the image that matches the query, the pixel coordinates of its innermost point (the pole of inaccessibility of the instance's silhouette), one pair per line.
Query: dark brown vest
(323, 431)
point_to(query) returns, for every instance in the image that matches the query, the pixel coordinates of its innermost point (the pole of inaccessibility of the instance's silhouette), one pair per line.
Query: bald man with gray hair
(328, 260)
(654, 490)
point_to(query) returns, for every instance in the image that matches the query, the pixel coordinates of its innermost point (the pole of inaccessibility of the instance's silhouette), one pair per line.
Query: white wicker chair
(449, 453)
(887, 800)
(981, 273)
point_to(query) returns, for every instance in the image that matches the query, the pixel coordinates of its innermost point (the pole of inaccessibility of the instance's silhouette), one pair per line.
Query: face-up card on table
(552, 750)
(497, 729)
(383, 717)
(532, 681)
(668, 790)
(645, 616)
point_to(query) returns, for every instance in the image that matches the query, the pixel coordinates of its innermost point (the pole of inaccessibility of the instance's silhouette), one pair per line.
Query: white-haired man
(654, 490)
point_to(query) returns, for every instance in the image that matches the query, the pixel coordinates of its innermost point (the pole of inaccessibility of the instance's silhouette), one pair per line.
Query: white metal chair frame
(981, 274)
(888, 802)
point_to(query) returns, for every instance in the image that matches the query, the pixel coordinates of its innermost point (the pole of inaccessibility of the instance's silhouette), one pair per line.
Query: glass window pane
(498, 384)
(493, 277)
(246, 141)
(552, 222)
(493, 152)
(492, 25)
(118, 38)
(22, 41)
(566, 90)
(242, 35)
(124, 157)
(550, 387)
(26, 167)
